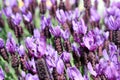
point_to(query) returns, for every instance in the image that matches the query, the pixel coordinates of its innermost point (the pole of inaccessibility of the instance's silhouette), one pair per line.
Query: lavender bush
(59, 40)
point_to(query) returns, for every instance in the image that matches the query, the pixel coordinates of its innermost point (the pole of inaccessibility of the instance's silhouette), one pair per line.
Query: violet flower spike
(2, 75)
(60, 66)
(21, 51)
(65, 34)
(56, 31)
(10, 44)
(7, 11)
(74, 73)
(28, 16)
(16, 18)
(65, 56)
(1, 43)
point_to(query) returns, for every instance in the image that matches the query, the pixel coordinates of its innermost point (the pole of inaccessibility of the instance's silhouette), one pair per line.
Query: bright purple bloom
(31, 46)
(2, 75)
(65, 34)
(60, 66)
(12, 3)
(31, 77)
(94, 15)
(1, 43)
(74, 73)
(11, 44)
(27, 16)
(61, 16)
(79, 27)
(7, 11)
(56, 31)
(16, 18)
(21, 51)
(90, 68)
(65, 56)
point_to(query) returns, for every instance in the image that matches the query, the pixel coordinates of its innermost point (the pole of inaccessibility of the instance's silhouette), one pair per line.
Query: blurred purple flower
(61, 16)
(65, 34)
(74, 73)
(16, 18)
(21, 51)
(1, 43)
(31, 77)
(90, 68)
(56, 31)
(31, 46)
(11, 44)
(32, 66)
(2, 75)
(27, 16)
(36, 34)
(65, 56)
(94, 15)
(7, 11)
(79, 27)
(12, 3)
(60, 66)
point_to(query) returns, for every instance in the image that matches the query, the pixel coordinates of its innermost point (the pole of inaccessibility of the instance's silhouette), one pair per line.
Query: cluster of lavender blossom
(76, 47)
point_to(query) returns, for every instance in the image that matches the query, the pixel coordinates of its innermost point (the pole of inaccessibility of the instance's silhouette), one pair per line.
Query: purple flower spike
(7, 11)
(90, 68)
(66, 57)
(94, 15)
(74, 73)
(60, 66)
(12, 3)
(61, 16)
(28, 16)
(36, 33)
(65, 34)
(2, 75)
(10, 44)
(31, 77)
(56, 31)
(21, 51)
(16, 18)
(1, 43)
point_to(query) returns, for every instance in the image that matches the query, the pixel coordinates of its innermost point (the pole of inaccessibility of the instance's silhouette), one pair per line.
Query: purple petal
(1, 43)
(66, 57)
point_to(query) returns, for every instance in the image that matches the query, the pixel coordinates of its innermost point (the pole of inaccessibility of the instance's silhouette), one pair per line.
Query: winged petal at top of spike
(31, 77)
(66, 57)
(60, 66)
(7, 11)
(105, 55)
(2, 75)
(90, 68)
(10, 44)
(12, 3)
(1, 43)
(21, 50)
(16, 18)
(32, 65)
(65, 34)
(94, 15)
(56, 31)
(36, 33)
(28, 16)
(74, 73)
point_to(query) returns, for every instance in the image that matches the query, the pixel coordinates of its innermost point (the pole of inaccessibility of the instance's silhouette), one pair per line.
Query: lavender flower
(61, 16)
(60, 66)
(16, 18)
(7, 11)
(10, 44)
(31, 77)
(27, 16)
(94, 15)
(2, 75)
(90, 68)
(1, 43)
(56, 31)
(66, 57)
(65, 34)
(74, 73)
(21, 51)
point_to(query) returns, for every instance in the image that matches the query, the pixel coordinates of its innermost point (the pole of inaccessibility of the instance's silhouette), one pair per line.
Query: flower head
(27, 16)
(1, 43)
(10, 44)
(74, 73)
(16, 18)
(56, 31)
(21, 51)
(66, 57)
